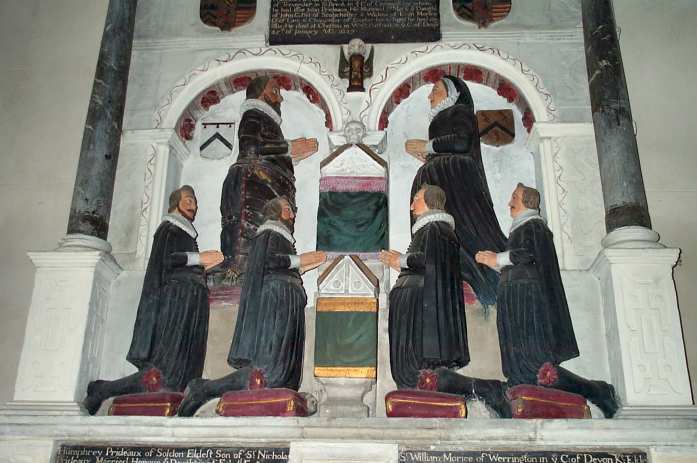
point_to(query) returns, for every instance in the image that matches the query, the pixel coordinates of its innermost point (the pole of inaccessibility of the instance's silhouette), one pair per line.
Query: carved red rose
(428, 380)
(152, 380)
(433, 75)
(311, 94)
(507, 91)
(283, 81)
(528, 120)
(401, 93)
(209, 99)
(241, 82)
(256, 380)
(186, 129)
(547, 375)
(382, 123)
(473, 74)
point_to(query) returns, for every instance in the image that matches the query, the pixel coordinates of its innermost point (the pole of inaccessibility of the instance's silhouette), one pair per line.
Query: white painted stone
(26, 451)
(346, 397)
(321, 452)
(348, 280)
(645, 346)
(354, 161)
(64, 336)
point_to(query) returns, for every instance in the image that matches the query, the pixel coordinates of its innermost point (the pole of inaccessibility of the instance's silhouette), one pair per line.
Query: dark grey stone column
(94, 184)
(618, 156)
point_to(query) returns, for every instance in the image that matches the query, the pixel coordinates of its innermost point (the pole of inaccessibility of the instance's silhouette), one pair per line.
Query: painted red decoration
(311, 94)
(528, 120)
(257, 380)
(262, 402)
(241, 82)
(544, 402)
(146, 404)
(209, 99)
(468, 293)
(384, 121)
(428, 381)
(412, 403)
(433, 75)
(328, 123)
(473, 74)
(507, 91)
(284, 82)
(547, 375)
(401, 93)
(186, 129)
(152, 380)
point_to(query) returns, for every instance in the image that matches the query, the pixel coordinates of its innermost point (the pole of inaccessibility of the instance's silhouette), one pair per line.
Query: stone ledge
(596, 433)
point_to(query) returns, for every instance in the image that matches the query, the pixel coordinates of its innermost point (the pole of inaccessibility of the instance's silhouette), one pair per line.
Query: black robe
(171, 327)
(270, 330)
(427, 327)
(263, 171)
(533, 318)
(456, 167)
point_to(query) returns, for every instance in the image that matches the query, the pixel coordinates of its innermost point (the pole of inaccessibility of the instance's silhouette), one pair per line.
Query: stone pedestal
(345, 397)
(642, 323)
(64, 334)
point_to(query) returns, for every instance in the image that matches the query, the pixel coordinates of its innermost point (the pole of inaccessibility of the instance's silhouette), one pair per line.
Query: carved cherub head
(354, 131)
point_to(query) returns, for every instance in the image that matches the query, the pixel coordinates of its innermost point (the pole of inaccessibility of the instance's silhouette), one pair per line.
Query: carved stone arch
(490, 66)
(199, 89)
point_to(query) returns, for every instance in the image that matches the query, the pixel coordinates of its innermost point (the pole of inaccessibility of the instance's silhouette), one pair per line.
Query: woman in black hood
(452, 160)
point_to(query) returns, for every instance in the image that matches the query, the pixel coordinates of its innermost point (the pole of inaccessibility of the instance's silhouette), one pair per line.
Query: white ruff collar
(434, 215)
(526, 216)
(182, 223)
(262, 106)
(278, 227)
(449, 101)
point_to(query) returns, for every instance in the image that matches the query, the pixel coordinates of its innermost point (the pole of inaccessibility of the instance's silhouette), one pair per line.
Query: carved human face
(418, 204)
(272, 94)
(515, 205)
(354, 132)
(438, 94)
(287, 214)
(187, 206)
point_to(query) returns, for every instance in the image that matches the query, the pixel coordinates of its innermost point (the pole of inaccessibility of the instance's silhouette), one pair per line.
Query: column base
(75, 242)
(631, 238)
(38, 408)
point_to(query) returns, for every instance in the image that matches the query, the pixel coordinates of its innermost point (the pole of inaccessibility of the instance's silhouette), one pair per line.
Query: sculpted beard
(275, 105)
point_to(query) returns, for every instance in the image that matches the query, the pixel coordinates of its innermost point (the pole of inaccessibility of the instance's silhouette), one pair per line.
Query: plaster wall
(660, 65)
(48, 52)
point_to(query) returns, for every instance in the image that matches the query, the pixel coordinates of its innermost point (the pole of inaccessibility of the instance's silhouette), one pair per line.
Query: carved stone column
(618, 155)
(99, 154)
(69, 308)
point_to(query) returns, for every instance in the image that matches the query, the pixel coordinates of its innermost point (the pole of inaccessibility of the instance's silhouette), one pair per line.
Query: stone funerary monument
(349, 111)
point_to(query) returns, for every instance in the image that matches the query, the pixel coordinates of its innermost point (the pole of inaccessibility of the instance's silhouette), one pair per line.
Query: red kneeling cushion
(262, 402)
(146, 404)
(529, 401)
(412, 403)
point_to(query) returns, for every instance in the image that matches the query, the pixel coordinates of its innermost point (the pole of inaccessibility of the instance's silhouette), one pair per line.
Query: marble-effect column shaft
(94, 183)
(618, 156)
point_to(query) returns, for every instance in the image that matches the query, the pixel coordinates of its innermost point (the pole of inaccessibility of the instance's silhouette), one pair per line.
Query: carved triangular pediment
(348, 276)
(354, 160)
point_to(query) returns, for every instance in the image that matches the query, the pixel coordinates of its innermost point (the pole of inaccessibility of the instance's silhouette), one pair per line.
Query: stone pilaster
(64, 333)
(644, 336)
